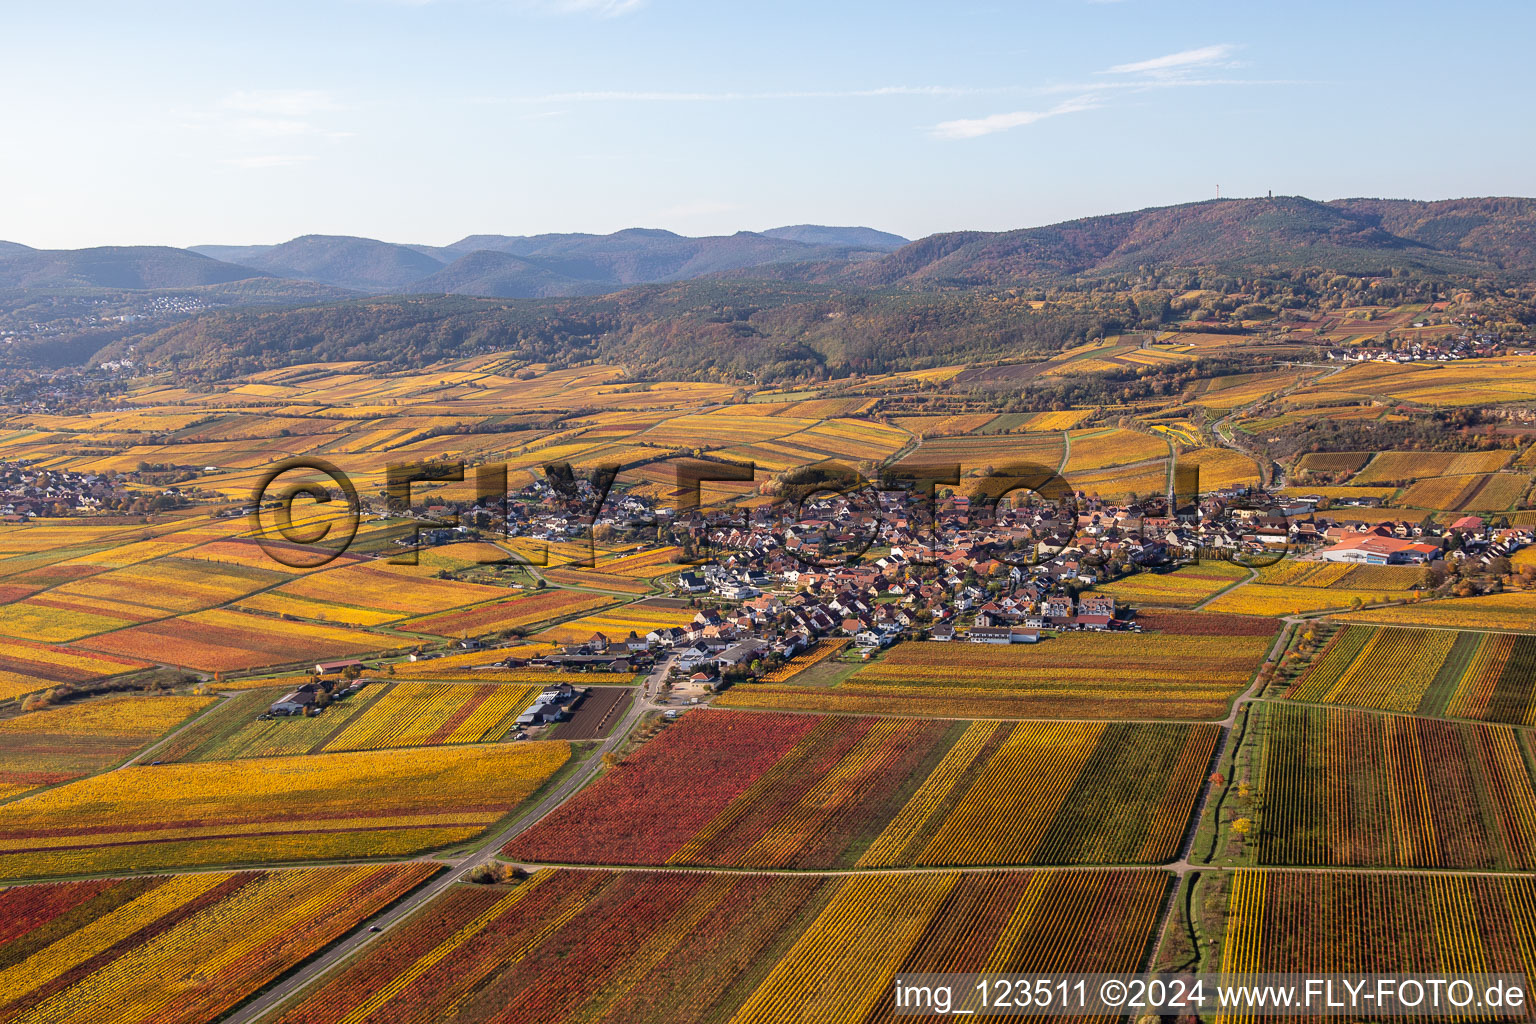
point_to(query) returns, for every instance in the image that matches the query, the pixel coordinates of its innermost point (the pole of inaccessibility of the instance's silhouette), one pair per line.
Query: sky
(212, 121)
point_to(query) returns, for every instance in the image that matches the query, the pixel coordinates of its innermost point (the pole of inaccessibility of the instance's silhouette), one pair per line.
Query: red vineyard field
(175, 949)
(640, 947)
(744, 789)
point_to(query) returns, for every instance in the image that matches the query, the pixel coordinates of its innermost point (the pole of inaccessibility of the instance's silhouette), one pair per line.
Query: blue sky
(215, 121)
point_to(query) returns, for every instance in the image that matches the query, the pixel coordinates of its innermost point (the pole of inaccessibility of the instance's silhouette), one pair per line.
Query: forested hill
(775, 331)
(1361, 236)
(688, 330)
(949, 298)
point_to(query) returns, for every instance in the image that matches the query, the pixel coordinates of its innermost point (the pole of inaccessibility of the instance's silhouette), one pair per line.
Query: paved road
(483, 853)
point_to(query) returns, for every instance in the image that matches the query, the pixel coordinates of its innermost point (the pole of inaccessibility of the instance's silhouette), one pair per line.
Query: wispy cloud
(601, 8)
(663, 96)
(259, 129)
(280, 102)
(594, 8)
(1187, 69)
(975, 127)
(1181, 63)
(267, 161)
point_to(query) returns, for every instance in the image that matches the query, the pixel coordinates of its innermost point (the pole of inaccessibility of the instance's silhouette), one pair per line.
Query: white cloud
(595, 8)
(974, 128)
(287, 103)
(276, 128)
(652, 96)
(257, 129)
(256, 114)
(269, 160)
(601, 8)
(1177, 63)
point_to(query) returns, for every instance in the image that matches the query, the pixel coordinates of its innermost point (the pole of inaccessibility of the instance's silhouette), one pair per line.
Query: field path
(1270, 472)
(1182, 866)
(1253, 574)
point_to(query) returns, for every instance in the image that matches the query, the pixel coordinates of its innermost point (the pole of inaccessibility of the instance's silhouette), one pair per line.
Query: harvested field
(598, 713)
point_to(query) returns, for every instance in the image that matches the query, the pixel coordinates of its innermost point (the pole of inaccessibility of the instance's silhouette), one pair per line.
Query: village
(768, 586)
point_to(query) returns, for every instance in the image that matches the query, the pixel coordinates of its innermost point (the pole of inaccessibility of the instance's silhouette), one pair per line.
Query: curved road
(483, 853)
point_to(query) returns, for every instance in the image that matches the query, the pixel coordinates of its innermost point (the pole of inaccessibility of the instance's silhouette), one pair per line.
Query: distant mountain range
(114, 266)
(1349, 235)
(518, 266)
(495, 266)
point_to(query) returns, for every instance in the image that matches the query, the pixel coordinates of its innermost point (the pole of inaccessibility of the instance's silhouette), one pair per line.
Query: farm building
(295, 703)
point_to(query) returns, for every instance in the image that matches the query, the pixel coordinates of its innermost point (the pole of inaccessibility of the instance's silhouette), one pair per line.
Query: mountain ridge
(557, 264)
(1495, 234)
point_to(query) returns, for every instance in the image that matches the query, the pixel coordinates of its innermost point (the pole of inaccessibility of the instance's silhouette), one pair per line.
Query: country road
(484, 852)
(647, 699)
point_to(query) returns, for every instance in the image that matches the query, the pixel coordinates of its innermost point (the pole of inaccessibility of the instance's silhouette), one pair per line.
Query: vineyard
(272, 810)
(781, 852)
(736, 789)
(823, 650)
(1361, 789)
(640, 617)
(1221, 467)
(569, 577)
(1100, 448)
(44, 748)
(429, 714)
(234, 729)
(1394, 467)
(223, 640)
(1191, 670)
(1462, 674)
(1378, 578)
(384, 714)
(1369, 923)
(658, 948)
(176, 949)
(1514, 610)
(643, 565)
(397, 590)
(974, 453)
(1185, 587)
(518, 613)
(1333, 462)
(1274, 601)
(25, 667)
